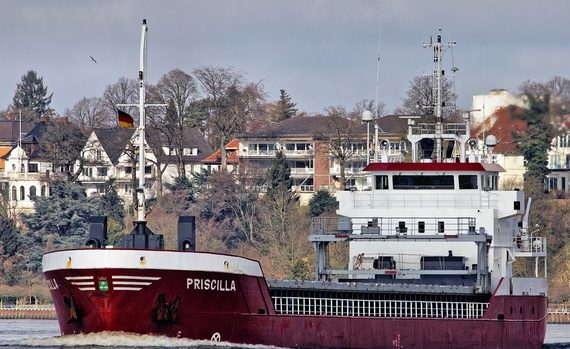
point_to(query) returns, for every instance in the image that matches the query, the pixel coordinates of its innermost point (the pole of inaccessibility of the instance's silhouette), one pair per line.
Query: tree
(283, 230)
(279, 175)
(179, 91)
(231, 202)
(10, 245)
(63, 217)
(420, 99)
(285, 108)
(558, 88)
(124, 91)
(367, 104)
(339, 133)
(89, 113)
(32, 95)
(230, 104)
(62, 143)
(535, 144)
(322, 201)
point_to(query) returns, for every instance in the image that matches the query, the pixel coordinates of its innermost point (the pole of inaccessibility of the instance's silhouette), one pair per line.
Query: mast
(140, 190)
(438, 73)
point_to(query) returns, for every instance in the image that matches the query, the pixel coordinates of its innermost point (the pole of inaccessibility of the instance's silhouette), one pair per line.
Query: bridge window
(423, 182)
(467, 182)
(381, 182)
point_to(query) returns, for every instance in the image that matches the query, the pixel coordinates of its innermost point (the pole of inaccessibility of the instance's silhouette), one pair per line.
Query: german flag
(125, 120)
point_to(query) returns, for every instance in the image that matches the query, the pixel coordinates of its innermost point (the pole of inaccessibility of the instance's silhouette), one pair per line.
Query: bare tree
(62, 144)
(420, 98)
(367, 104)
(122, 92)
(179, 90)
(558, 88)
(231, 104)
(339, 133)
(89, 113)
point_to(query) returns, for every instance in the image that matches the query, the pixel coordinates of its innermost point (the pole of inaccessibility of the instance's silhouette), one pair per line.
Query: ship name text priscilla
(211, 284)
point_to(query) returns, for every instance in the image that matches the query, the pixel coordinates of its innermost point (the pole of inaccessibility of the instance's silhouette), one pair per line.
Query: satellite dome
(367, 116)
(491, 141)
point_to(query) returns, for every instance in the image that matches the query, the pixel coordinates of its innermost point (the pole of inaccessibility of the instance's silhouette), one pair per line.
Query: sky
(322, 52)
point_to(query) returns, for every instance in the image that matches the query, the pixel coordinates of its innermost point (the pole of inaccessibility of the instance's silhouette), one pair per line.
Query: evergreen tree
(536, 143)
(322, 201)
(286, 108)
(62, 217)
(279, 174)
(31, 94)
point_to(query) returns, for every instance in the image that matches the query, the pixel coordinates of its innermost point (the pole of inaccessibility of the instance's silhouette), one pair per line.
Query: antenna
(438, 73)
(376, 116)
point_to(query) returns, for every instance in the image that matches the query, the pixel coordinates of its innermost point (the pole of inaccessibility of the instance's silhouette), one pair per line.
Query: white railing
(302, 170)
(418, 200)
(378, 308)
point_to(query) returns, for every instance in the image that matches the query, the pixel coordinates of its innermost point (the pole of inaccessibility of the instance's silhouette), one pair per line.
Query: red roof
(433, 166)
(231, 154)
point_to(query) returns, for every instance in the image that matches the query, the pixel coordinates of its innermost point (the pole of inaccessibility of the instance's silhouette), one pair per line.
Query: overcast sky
(321, 52)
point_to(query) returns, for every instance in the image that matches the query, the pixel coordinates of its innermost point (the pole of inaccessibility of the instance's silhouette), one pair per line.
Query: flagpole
(141, 206)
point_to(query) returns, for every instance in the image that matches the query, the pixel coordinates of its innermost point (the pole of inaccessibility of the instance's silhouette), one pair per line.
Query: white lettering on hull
(211, 285)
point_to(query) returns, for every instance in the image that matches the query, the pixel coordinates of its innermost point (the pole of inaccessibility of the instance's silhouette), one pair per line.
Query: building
(111, 154)
(306, 143)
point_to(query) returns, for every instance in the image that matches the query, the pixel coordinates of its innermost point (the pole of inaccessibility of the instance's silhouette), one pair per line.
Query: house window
(14, 194)
(43, 190)
(22, 193)
(33, 168)
(88, 171)
(98, 154)
(102, 171)
(553, 183)
(128, 169)
(187, 151)
(32, 192)
(22, 168)
(147, 169)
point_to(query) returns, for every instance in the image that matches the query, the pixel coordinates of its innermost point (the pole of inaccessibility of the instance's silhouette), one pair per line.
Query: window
(22, 168)
(467, 182)
(423, 182)
(553, 183)
(33, 168)
(128, 169)
(43, 190)
(98, 154)
(22, 193)
(381, 182)
(147, 169)
(32, 192)
(101, 171)
(88, 171)
(14, 194)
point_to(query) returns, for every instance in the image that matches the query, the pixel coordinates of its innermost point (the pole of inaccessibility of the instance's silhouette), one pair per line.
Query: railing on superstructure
(325, 230)
(447, 129)
(395, 225)
(378, 308)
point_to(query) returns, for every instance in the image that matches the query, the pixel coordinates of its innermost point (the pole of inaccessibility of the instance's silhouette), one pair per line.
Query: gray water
(20, 334)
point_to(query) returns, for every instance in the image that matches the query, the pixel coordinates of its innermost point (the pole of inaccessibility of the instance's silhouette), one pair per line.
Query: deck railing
(378, 308)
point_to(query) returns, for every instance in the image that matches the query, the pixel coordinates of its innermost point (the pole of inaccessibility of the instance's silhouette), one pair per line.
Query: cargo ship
(431, 247)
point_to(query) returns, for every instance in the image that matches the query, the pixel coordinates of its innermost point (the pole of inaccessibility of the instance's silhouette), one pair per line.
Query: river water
(20, 334)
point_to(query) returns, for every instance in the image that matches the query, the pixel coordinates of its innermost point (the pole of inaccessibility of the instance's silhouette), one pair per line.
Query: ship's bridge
(431, 186)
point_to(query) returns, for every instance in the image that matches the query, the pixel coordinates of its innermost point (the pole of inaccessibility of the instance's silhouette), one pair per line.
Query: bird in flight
(93, 59)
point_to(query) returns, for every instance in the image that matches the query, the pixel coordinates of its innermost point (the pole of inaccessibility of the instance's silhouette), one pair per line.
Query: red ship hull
(236, 307)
